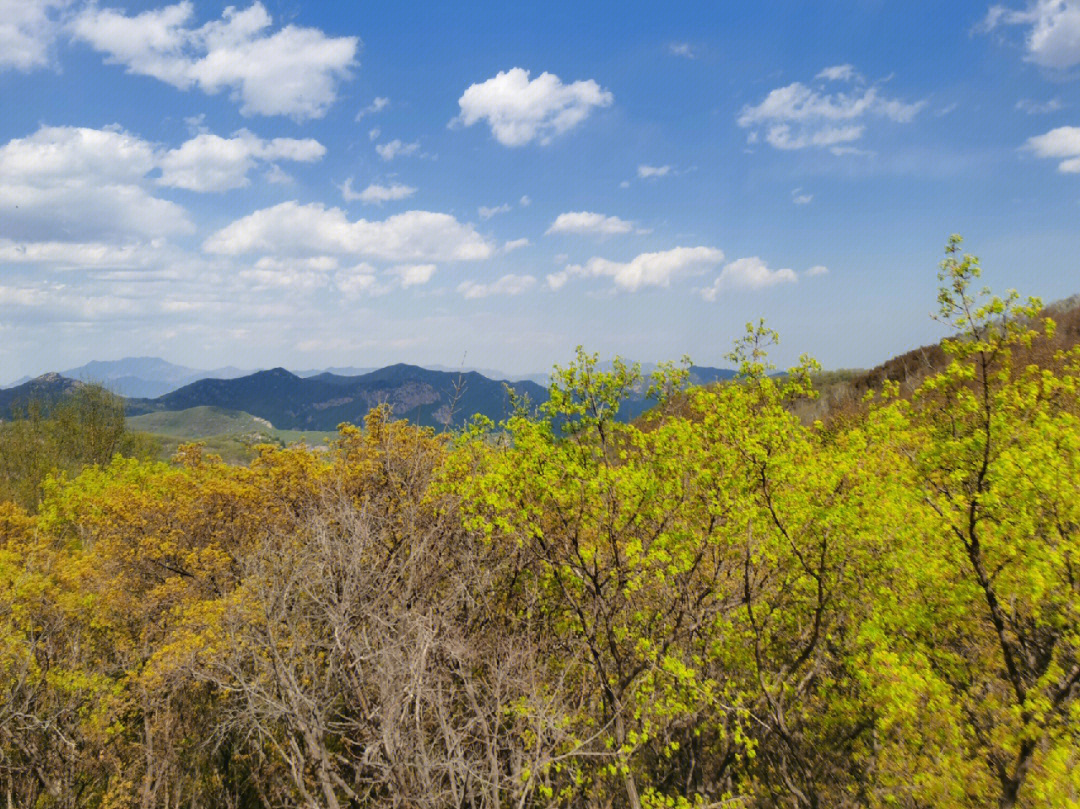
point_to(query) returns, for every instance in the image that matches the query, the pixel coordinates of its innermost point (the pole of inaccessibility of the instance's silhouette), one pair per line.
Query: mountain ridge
(292, 401)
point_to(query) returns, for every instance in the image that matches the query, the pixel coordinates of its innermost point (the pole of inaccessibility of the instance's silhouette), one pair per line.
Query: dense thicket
(42, 437)
(717, 606)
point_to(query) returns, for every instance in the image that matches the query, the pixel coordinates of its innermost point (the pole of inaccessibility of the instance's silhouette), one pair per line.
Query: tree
(987, 630)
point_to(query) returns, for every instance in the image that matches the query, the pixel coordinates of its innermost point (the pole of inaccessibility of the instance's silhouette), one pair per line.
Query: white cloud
(817, 269)
(838, 73)
(22, 296)
(1053, 37)
(1061, 143)
(557, 280)
(359, 281)
(1039, 108)
(28, 29)
(376, 194)
(747, 273)
(488, 212)
(682, 49)
(95, 185)
(646, 269)
(515, 244)
(87, 184)
(396, 148)
(520, 111)
(298, 274)
(647, 172)
(80, 255)
(839, 151)
(293, 71)
(797, 116)
(782, 137)
(413, 274)
(799, 197)
(524, 202)
(507, 285)
(307, 264)
(277, 175)
(586, 222)
(378, 105)
(373, 133)
(212, 163)
(292, 228)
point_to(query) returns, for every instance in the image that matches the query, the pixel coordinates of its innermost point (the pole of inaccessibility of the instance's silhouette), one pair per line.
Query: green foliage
(232, 434)
(84, 428)
(719, 605)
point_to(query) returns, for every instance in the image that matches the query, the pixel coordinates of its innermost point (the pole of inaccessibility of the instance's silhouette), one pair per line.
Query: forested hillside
(426, 398)
(725, 604)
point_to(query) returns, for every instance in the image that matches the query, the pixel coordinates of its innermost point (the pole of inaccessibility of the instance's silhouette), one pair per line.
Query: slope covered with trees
(720, 605)
(426, 398)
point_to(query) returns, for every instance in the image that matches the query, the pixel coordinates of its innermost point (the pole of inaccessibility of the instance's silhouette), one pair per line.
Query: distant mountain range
(150, 377)
(142, 376)
(320, 401)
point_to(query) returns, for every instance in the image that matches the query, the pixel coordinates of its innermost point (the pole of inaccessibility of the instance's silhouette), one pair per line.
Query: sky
(490, 184)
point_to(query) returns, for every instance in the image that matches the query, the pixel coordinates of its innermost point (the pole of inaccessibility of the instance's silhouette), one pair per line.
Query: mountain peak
(276, 373)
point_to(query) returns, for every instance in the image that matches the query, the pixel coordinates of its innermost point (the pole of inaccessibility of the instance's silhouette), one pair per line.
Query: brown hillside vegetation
(731, 608)
(841, 393)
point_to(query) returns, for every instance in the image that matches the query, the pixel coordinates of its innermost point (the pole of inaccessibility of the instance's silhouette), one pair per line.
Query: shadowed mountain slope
(430, 398)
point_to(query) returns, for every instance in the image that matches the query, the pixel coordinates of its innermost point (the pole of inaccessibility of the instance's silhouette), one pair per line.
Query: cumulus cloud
(86, 183)
(588, 223)
(682, 49)
(817, 269)
(800, 197)
(506, 285)
(487, 212)
(1062, 143)
(94, 184)
(297, 274)
(798, 116)
(28, 29)
(359, 281)
(292, 228)
(410, 275)
(649, 172)
(520, 111)
(1053, 30)
(645, 270)
(293, 71)
(376, 194)
(747, 274)
(557, 280)
(211, 163)
(396, 148)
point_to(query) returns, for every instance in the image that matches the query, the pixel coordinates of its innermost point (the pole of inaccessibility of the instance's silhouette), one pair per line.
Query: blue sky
(315, 184)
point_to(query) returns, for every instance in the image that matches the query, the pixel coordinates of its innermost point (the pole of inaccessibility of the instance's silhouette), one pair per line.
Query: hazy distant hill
(145, 377)
(704, 375)
(348, 370)
(431, 398)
